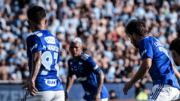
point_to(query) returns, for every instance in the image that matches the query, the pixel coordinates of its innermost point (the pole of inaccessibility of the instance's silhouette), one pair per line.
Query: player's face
(133, 40)
(176, 57)
(75, 49)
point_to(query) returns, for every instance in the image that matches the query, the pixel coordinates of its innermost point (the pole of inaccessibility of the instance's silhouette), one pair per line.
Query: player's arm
(100, 81)
(36, 47)
(36, 65)
(70, 80)
(143, 70)
(99, 72)
(176, 73)
(146, 51)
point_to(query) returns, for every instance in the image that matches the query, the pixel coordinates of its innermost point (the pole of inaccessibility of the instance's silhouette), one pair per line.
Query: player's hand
(32, 88)
(66, 96)
(97, 97)
(25, 86)
(127, 86)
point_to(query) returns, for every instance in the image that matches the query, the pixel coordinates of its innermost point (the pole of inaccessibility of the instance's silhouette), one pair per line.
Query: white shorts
(163, 92)
(104, 99)
(45, 96)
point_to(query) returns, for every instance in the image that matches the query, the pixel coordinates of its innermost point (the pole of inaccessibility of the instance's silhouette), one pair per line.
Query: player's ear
(46, 22)
(29, 23)
(134, 35)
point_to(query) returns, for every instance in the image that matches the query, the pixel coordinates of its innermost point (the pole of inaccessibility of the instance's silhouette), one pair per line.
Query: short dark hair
(36, 14)
(136, 26)
(175, 45)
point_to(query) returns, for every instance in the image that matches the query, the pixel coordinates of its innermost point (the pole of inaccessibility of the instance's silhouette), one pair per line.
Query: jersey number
(47, 61)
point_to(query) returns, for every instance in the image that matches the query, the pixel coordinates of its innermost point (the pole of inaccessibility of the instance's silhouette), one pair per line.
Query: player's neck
(38, 27)
(75, 59)
(141, 37)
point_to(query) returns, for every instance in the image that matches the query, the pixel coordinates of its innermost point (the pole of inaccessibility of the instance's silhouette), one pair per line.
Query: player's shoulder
(86, 57)
(38, 33)
(70, 59)
(146, 39)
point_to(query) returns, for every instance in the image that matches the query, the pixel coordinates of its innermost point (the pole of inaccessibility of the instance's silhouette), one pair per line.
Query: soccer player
(155, 60)
(87, 72)
(175, 50)
(43, 53)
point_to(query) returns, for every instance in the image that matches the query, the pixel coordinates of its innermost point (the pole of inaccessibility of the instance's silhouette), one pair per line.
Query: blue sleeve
(93, 65)
(145, 49)
(69, 69)
(34, 44)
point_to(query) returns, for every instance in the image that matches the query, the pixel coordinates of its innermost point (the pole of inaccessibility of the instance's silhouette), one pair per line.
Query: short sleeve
(93, 65)
(145, 49)
(69, 69)
(34, 44)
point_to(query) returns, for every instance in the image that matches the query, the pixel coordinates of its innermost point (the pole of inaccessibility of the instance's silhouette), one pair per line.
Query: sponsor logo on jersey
(143, 52)
(50, 39)
(51, 82)
(52, 48)
(35, 46)
(82, 78)
(39, 34)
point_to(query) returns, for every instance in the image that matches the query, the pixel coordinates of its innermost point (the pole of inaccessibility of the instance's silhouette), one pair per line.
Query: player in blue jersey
(87, 72)
(43, 53)
(155, 60)
(175, 50)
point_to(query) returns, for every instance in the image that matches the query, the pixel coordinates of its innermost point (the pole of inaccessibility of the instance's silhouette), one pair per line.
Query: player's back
(44, 41)
(161, 70)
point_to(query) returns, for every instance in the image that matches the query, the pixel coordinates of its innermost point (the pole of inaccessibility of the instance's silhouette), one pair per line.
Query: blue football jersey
(44, 41)
(161, 70)
(86, 71)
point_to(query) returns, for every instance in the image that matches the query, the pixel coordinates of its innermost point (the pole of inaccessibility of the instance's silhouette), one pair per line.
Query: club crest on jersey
(50, 39)
(39, 34)
(87, 93)
(80, 63)
(51, 82)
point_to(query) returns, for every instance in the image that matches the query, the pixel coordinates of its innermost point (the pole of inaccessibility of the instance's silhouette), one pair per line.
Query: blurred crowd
(100, 25)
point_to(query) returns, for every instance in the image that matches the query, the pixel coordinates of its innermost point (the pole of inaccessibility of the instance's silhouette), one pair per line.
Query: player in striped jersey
(87, 72)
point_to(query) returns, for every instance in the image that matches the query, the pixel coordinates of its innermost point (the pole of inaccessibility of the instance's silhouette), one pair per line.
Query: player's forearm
(70, 80)
(176, 74)
(100, 81)
(143, 70)
(36, 65)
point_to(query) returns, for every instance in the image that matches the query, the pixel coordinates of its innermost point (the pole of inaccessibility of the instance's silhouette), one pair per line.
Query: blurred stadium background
(100, 24)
